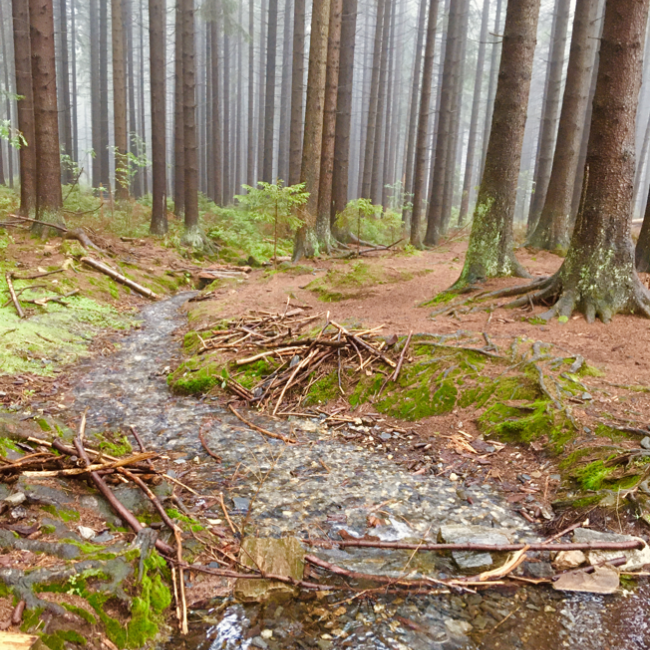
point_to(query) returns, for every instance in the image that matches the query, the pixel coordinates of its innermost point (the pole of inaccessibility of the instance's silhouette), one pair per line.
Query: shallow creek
(319, 487)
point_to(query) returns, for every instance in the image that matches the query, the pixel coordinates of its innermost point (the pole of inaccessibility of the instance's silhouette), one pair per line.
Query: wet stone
(468, 560)
(15, 499)
(645, 443)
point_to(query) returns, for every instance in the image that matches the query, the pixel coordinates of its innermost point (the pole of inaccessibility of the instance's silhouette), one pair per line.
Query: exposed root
(567, 297)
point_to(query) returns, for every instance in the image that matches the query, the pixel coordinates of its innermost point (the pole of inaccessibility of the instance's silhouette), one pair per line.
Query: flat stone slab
(636, 558)
(468, 560)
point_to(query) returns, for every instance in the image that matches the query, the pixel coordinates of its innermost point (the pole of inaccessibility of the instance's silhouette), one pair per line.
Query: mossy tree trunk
(490, 252)
(552, 231)
(598, 276)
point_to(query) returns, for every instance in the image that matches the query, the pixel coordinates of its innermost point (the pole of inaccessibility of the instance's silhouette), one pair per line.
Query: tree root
(567, 297)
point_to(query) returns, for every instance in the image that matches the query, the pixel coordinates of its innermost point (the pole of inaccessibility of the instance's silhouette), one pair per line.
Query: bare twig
(14, 297)
(264, 432)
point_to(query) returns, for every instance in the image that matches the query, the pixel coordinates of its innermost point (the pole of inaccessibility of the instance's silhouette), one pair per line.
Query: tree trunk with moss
(312, 234)
(553, 228)
(598, 276)
(490, 251)
(46, 116)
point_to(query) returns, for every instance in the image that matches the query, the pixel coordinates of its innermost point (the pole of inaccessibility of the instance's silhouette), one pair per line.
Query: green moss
(591, 476)
(589, 371)
(324, 390)
(119, 447)
(48, 529)
(517, 424)
(79, 611)
(195, 376)
(61, 513)
(31, 618)
(43, 424)
(192, 523)
(6, 445)
(252, 373)
(586, 502)
(440, 299)
(58, 640)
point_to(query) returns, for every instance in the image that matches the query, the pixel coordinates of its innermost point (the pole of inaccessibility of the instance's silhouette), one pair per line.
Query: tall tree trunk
(73, 61)
(48, 160)
(553, 227)
(192, 234)
(495, 57)
(132, 130)
(157, 33)
(269, 109)
(374, 101)
(179, 119)
(551, 111)
(143, 120)
(364, 103)
(119, 103)
(297, 85)
(95, 100)
(413, 113)
(443, 160)
(323, 225)
(285, 97)
(217, 151)
(306, 243)
(227, 186)
(261, 106)
(103, 96)
(378, 138)
(344, 109)
(423, 126)
(238, 109)
(457, 106)
(23, 66)
(250, 162)
(8, 93)
(473, 123)
(598, 276)
(490, 251)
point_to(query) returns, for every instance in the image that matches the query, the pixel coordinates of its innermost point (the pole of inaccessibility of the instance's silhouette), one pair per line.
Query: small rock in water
(468, 560)
(457, 629)
(19, 513)
(645, 443)
(569, 560)
(86, 533)
(453, 477)
(586, 396)
(385, 436)
(241, 504)
(259, 642)
(266, 634)
(103, 538)
(15, 499)
(180, 461)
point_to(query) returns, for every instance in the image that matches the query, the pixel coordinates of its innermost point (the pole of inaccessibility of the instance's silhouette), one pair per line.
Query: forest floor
(552, 469)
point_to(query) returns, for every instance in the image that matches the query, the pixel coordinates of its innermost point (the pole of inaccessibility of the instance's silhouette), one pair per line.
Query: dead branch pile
(297, 357)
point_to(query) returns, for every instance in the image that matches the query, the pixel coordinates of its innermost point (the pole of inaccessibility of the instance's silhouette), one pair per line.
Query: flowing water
(319, 487)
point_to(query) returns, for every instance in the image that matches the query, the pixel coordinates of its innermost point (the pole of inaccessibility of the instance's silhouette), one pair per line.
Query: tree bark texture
(192, 235)
(442, 164)
(95, 110)
(374, 99)
(269, 103)
(179, 131)
(158, 118)
(551, 111)
(598, 276)
(323, 224)
(262, 93)
(422, 138)
(297, 85)
(306, 238)
(103, 96)
(473, 122)
(119, 103)
(46, 118)
(23, 65)
(217, 149)
(490, 250)
(66, 116)
(250, 159)
(344, 109)
(552, 231)
(285, 97)
(413, 111)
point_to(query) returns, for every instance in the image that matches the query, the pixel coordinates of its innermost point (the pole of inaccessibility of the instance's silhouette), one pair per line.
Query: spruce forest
(324, 324)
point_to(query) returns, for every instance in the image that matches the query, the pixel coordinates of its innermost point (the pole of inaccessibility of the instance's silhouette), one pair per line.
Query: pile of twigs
(296, 359)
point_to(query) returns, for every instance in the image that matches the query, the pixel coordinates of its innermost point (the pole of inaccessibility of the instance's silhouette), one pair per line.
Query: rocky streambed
(321, 488)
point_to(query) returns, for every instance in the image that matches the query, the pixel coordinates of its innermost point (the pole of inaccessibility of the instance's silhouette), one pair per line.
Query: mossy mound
(353, 281)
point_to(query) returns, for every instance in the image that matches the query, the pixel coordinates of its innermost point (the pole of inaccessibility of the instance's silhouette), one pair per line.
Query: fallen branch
(118, 277)
(497, 548)
(264, 432)
(401, 358)
(14, 297)
(205, 446)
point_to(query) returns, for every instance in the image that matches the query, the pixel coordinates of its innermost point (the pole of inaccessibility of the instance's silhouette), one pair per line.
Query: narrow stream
(316, 489)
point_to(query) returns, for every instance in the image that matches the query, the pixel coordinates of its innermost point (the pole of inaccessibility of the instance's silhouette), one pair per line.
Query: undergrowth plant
(369, 222)
(274, 203)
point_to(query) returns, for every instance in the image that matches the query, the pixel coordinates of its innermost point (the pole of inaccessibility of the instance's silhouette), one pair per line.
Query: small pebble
(86, 533)
(15, 499)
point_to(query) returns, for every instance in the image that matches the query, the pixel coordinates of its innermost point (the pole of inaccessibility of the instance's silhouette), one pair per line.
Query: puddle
(316, 488)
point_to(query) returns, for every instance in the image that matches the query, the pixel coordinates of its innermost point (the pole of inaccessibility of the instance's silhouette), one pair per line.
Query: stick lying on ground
(14, 297)
(118, 277)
